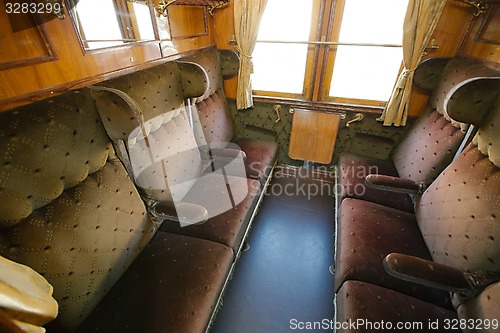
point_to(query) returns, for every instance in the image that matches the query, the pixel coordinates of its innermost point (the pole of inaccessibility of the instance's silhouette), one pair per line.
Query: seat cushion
(352, 172)
(227, 228)
(369, 305)
(261, 155)
(367, 233)
(173, 286)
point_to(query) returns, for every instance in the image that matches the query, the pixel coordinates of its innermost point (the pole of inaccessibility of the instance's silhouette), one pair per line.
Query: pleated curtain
(420, 21)
(247, 16)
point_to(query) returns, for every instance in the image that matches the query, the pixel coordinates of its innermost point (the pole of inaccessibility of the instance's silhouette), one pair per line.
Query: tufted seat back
(69, 145)
(163, 143)
(161, 140)
(431, 143)
(458, 214)
(166, 159)
(163, 88)
(68, 208)
(212, 106)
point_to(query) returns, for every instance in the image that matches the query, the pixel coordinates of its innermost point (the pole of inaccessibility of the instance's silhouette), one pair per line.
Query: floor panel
(284, 276)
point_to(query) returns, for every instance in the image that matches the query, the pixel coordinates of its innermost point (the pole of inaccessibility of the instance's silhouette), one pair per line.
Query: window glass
(144, 23)
(369, 72)
(101, 24)
(357, 74)
(281, 67)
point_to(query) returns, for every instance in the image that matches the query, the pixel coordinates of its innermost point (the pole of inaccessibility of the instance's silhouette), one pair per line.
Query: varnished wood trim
(10, 103)
(203, 33)
(488, 17)
(50, 56)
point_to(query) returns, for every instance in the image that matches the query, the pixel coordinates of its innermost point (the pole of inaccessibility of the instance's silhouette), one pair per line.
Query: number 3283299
(32, 8)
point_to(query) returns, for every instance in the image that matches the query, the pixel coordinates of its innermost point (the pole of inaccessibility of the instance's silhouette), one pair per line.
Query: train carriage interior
(247, 166)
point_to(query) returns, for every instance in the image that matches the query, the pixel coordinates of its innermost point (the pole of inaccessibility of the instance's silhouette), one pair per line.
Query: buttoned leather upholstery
(72, 214)
(215, 115)
(430, 145)
(455, 223)
(70, 210)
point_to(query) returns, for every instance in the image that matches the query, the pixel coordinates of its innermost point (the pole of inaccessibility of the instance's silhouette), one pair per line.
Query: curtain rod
(324, 43)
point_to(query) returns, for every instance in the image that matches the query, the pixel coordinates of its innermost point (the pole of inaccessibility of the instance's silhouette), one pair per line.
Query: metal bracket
(357, 117)
(163, 6)
(277, 109)
(479, 6)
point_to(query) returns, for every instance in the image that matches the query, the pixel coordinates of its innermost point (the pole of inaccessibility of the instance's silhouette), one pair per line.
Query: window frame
(326, 23)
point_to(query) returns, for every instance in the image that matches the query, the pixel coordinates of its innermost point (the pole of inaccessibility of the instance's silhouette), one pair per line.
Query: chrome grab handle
(357, 117)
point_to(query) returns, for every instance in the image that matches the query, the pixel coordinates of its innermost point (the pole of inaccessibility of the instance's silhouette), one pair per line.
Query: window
(360, 68)
(108, 23)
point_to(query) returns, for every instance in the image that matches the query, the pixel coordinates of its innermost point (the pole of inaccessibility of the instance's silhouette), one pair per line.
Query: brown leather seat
(433, 140)
(367, 234)
(67, 207)
(367, 308)
(172, 287)
(215, 115)
(456, 222)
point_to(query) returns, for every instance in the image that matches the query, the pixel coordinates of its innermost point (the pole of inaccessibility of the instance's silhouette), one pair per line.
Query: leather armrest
(395, 184)
(226, 153)
(440, 276)
(425, 272)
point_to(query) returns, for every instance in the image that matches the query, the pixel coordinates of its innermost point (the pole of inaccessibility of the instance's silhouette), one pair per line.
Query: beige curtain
(420, 21)
(247, 15)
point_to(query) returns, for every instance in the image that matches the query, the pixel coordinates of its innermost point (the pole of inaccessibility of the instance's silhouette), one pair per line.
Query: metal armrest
(395, 184)
(440, 276)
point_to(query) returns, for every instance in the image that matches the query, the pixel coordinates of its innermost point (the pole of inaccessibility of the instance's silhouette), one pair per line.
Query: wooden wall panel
(16, 27)
(73, 68)
(224, 25)
(187, 21)
(483, 39)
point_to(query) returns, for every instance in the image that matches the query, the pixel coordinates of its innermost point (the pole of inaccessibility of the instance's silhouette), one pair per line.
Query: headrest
(47, 147)
(472, 100)
(209, 60)
(456, 72)
(428, 72)
(488, 136)
(194, 79)
(230, 63)
(155, 91)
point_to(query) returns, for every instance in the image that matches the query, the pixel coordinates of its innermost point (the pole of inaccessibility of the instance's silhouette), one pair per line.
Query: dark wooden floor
(284, 276)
